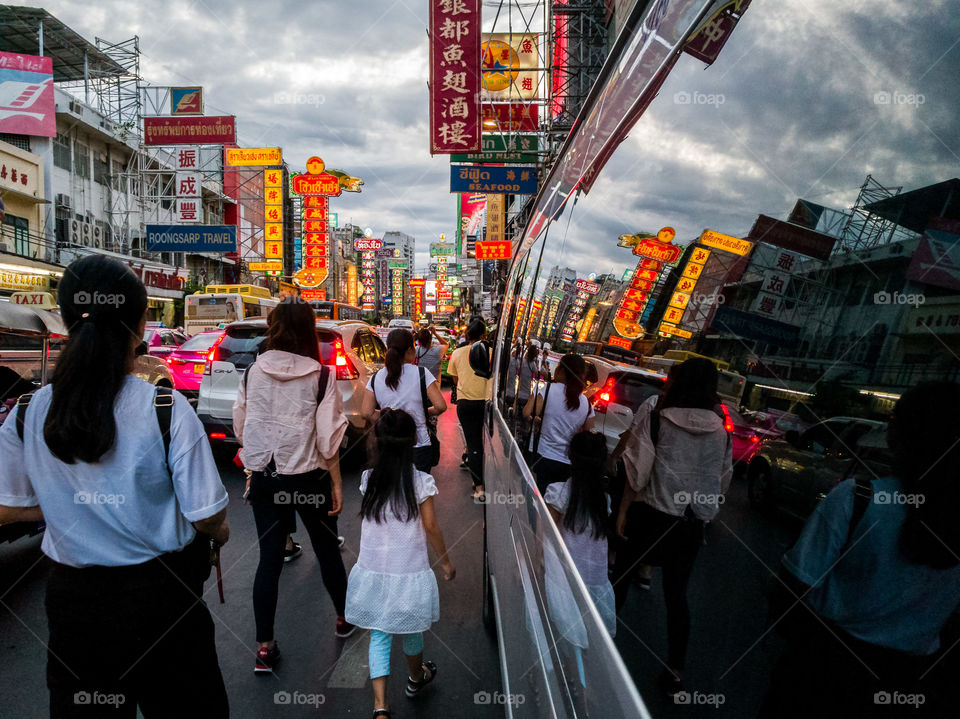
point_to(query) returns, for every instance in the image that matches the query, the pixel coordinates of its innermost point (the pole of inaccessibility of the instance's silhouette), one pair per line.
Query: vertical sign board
(454, 76)
(585, 288)
(27, 103)
(682, 292)
(273, 214)
(496, 217)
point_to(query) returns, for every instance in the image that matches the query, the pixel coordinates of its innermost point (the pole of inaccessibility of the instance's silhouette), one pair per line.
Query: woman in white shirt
(392, 588)
(399, 385)
(561, 413)
(130, 511)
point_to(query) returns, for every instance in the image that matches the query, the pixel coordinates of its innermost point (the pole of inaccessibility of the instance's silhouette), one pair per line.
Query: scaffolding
(864, 229)
(579, 49)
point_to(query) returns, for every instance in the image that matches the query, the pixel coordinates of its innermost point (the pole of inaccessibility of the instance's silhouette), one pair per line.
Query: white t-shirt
(125, 509)
(559, 423)
(406, 396)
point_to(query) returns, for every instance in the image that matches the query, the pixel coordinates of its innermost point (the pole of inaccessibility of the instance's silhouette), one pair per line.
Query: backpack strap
(22, 402)
(322, 384)
(373, 387)
(427, 404)
(862, 496)
(163, 406)
(539, 429)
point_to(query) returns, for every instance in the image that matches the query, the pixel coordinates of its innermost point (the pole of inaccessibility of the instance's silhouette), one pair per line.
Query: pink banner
(454, 76)
(27, 105)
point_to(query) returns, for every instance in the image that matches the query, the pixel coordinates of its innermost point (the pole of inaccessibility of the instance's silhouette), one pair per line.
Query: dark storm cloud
(802, 113)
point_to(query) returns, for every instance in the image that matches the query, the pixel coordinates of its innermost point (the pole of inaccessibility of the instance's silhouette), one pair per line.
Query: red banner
(499, 250)
(218, 130)
(454, 76)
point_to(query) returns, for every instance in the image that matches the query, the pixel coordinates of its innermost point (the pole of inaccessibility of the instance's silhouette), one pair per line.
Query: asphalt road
(318, 670)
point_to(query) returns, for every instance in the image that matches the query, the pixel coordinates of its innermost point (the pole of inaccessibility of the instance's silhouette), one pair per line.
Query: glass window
(169, 339)
(61, 151)
(375, 350)
(81, 160)
(200, 342)
(328, 345)
(19, 228)
(240, 345)
(822, 437)
(101, 170)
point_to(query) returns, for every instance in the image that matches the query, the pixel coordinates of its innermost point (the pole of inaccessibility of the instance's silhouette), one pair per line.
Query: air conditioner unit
(76, 108)
(97, 240)
(4, 247)
(63, 200)
(80, 233)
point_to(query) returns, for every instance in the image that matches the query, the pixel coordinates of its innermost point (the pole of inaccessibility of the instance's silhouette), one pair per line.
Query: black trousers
(672, 543)
(128, 637)
(470, 414)
(276, 500)
(547, 471)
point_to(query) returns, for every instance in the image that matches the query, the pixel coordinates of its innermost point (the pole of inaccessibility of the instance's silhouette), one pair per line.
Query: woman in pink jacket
(289, 418)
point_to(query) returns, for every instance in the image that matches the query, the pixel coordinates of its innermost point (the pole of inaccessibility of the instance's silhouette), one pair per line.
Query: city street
(726, 597)
(316, 667)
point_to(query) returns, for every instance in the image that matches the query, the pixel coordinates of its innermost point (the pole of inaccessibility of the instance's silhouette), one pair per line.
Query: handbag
(431, 427)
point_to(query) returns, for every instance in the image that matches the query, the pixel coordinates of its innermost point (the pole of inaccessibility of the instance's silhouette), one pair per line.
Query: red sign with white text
(27, 104)
(454, 76)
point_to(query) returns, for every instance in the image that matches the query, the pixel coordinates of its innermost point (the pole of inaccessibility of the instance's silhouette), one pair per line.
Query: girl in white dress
(392, 588)
(580, 507)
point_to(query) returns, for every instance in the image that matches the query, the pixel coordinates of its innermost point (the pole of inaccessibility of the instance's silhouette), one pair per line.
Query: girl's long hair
(390, 485)
(102, 303)
(924, 436)
(292, 327)
(532, 353)
(399, 342)
(692, 385)
(587, 510)
(574, 379)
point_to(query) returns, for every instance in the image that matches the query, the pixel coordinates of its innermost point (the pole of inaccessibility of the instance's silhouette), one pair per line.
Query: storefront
(21, 188)
(18, 274)
(164, 285)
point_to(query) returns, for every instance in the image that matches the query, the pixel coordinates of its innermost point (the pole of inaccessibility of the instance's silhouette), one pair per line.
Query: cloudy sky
(794, 107)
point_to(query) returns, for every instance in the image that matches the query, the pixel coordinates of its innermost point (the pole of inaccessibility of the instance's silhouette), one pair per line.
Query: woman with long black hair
(560, 415)
(865, 593)
(401, 384)
(678, 461)
(289, 418)
(123, 475)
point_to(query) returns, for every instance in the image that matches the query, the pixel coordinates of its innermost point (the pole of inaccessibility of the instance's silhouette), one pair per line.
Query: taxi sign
(38, 300)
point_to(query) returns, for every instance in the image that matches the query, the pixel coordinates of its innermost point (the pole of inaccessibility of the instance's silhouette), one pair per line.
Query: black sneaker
(267, 659)
(291, 553)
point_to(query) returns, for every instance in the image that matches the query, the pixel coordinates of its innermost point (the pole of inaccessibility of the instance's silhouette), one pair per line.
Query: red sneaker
(267, 659)
(344, 628)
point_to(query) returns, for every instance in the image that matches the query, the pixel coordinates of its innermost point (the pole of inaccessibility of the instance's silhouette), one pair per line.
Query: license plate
(198, 369)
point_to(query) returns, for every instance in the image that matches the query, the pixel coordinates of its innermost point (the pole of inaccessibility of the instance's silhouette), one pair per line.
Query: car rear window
(632, 391)
(240, 345)
(200, 342)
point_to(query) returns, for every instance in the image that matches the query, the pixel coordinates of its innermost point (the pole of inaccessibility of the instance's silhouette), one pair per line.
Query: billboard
(494, 250)
(186, 100)
(513, 117)
(27, 104)
(454, 76)
(509, 67)
(197, 238)
(490, 179)
(708, 40)
(754, 327)
(936, 261)
(216, 130)
(791, 237)
(471, 211)
(246, 156)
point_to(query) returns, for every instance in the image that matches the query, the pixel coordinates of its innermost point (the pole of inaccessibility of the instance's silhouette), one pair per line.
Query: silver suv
(351, 347)
(616, 393)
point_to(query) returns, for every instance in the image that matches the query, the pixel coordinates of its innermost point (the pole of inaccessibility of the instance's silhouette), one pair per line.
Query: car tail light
(727, 422)
(755, 439)
(604, 395)
(213, 353)
(345, 368)
(218, 435)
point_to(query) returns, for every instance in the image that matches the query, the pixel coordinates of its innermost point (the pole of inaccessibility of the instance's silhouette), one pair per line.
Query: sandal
(382, 713)
(415, 687)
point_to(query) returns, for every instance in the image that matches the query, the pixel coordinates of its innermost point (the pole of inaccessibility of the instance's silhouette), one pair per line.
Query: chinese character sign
(630, 312)
(454, 76)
